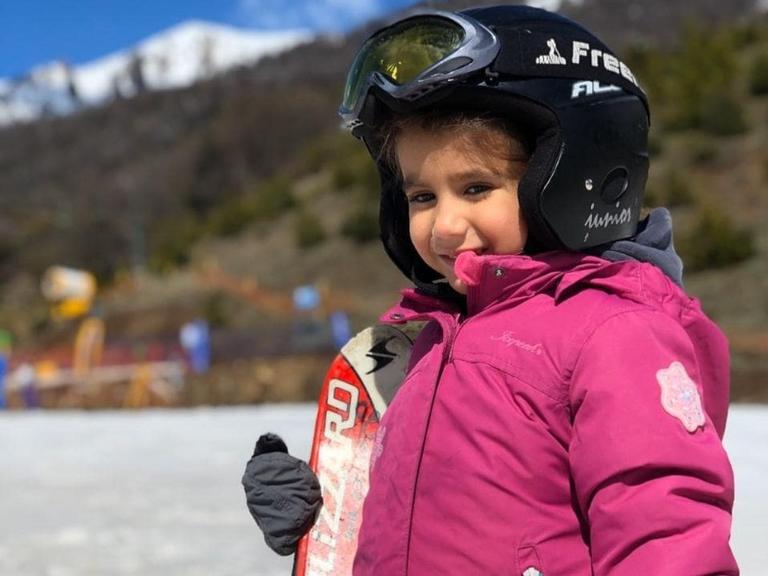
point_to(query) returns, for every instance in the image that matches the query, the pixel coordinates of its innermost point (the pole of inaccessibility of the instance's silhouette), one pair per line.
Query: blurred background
(183, 224)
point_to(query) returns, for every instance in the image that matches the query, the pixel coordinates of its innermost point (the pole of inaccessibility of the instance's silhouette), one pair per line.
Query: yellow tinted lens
(406, 56)
(403, 52)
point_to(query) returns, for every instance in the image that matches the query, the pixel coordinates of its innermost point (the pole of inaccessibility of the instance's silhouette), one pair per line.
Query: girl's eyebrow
(480, 172)
(472, 174)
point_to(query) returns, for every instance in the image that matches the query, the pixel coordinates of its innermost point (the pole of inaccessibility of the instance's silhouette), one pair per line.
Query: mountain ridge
(179, 56)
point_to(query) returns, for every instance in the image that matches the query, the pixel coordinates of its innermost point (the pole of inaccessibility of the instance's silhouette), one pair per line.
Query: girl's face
(461, 188)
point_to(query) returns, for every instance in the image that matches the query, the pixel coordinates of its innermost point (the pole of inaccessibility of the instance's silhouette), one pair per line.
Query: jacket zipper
(446, 357)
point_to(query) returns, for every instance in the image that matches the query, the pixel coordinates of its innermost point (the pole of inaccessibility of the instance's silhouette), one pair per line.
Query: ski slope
(158, 492)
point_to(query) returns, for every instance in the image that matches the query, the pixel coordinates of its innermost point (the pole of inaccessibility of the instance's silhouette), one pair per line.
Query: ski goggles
(416, 56)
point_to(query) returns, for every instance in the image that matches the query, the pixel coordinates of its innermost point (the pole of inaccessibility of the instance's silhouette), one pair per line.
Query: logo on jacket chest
(510, 339)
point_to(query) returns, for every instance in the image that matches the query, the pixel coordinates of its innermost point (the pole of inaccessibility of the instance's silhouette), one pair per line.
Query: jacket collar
(516, 278)
(513, 278)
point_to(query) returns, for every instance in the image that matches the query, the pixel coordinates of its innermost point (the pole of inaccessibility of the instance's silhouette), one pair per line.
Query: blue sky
(38, 31)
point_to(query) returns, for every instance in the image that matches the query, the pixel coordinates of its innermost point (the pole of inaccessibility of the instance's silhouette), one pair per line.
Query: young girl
(562, 412)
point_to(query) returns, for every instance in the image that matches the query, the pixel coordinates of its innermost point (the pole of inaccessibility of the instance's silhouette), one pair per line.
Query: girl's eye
(477, 189)
(420, 198)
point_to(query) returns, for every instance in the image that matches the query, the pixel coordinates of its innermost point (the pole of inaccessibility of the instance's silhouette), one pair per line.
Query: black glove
(282, 492)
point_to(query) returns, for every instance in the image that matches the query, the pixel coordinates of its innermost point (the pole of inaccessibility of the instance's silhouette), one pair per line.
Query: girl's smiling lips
(452, 257)
(449, 260)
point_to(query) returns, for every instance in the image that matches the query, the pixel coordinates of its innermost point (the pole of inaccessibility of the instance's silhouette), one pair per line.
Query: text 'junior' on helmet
(578, 104)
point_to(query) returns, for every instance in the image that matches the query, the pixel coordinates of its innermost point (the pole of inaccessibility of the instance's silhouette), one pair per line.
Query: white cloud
(323, 15)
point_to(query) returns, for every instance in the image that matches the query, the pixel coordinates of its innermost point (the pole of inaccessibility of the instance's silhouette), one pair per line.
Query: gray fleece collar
(653, 243)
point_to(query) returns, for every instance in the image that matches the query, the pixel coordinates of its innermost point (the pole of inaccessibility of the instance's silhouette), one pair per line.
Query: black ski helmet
(579, 104)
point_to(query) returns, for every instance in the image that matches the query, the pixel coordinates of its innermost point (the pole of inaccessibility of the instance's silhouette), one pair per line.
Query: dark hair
(450, 120)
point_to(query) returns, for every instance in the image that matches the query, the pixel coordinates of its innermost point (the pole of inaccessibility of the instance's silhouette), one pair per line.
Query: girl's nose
(449, 226)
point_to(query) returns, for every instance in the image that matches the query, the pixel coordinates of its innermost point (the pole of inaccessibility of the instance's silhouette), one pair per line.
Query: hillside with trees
(247, 178)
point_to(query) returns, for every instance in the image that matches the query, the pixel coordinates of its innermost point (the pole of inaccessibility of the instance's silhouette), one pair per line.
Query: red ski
(356, 391)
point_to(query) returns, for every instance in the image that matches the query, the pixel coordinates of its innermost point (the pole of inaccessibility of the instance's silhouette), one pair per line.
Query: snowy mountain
(180, 56)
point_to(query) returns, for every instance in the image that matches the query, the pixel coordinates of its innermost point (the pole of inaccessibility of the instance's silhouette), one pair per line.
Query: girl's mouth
(448, 260)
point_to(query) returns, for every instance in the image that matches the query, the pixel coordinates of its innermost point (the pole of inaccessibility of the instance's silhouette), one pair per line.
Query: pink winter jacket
(556, 427)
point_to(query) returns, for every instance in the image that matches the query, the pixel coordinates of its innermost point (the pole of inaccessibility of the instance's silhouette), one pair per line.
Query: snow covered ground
(158, 492)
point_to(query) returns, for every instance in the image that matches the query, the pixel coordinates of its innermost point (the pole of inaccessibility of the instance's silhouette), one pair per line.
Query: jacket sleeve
(651, 477)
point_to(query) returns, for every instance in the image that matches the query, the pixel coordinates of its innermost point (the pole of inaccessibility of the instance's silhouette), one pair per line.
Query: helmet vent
(615, 185)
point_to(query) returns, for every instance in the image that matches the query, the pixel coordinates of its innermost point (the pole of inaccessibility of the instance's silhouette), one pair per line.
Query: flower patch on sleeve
(680, 396)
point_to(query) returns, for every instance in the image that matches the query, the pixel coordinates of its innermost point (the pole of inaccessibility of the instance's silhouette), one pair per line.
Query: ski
(355, 393)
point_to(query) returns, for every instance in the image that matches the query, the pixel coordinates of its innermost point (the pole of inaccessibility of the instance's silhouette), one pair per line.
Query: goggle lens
(402, 52)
